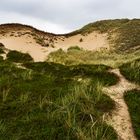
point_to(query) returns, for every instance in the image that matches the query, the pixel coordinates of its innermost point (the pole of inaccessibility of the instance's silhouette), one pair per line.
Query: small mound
(19, 57)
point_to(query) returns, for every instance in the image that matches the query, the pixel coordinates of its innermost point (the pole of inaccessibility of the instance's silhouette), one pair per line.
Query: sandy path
(120, 118)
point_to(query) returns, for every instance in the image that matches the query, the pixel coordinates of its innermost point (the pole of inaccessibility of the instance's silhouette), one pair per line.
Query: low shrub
(19, 57)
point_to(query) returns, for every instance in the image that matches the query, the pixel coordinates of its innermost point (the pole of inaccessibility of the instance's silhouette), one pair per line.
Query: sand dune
(27, 44)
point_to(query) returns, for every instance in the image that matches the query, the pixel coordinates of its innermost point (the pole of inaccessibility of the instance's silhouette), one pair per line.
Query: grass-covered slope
(123, 34)
(132, 99)
(131, 70)
(53, 101)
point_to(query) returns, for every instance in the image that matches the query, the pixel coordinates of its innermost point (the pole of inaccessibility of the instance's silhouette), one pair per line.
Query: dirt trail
(120, 118)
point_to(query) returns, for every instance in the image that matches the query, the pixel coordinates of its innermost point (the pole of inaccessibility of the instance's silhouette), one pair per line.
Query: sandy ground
(27, 44)
(93, 41)
(120, 118)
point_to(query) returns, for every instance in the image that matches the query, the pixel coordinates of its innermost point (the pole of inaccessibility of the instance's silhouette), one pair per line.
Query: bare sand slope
(27, 44)
(93, 41)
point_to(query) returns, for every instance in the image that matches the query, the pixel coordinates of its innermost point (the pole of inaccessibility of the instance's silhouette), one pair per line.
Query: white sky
(61, 16)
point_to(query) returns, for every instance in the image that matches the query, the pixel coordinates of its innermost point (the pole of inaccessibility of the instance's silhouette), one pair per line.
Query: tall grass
(131, 70)
(132, 99)
(48, 102)
(74, 57)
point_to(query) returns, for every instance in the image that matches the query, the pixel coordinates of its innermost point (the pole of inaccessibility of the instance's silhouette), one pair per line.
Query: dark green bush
(19, 57)
(1, 48)
(74, 48)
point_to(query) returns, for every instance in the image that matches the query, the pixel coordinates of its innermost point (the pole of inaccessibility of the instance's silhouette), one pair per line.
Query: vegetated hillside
(47, 100)
(123, 37)
(124, 34)
(121, 34)
(51, 101)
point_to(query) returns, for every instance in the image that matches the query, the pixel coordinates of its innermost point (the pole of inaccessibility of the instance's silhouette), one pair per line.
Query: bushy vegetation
(1, 51)
(80, 56)
(123, 34)
(97, 72)
(1, 58)
(19, 57)
(48, 101)
(74, 48)
(1, 48)
(101, 26)
(132, 99)
(131, 70)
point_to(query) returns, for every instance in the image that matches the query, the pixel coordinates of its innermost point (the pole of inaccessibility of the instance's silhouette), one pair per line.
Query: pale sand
(27, 44)
(93, 41)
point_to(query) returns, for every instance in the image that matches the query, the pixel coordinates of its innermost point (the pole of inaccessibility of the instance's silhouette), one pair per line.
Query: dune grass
(123, 34)
(96, 72)
(131, 71)
(132, 98)
(80, 56)
(48, 101)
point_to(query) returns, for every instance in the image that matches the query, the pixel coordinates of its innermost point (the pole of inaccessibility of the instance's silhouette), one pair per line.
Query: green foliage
(1, 48)
(1, 58)
(74, 48)
(128, 36)
(101, 26)
(1, 51)
(123, 34)
(74, 57)
(132, 99)
(97, 72)
(131, 70)
(47, 101)
(19, 57)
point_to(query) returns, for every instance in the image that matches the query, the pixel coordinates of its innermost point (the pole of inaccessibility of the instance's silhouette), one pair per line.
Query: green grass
(101, 26)
(1, 48)
(74, 48)
(47, 101)
(76, 56)
(131, 70)
(123, 34)
(1, 51)
(132, 98)
(19, 57)
(96, 72)
(1, 58)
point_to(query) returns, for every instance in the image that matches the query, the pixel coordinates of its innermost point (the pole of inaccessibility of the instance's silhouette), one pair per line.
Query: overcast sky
(61, 16)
